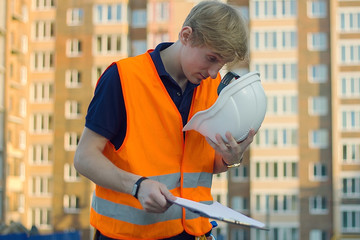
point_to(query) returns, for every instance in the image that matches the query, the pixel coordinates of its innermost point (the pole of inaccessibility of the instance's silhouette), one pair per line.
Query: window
(96, 73)
(318, 205)
(73, 78)
(318, 106)
(282, 103)
(40, 154)
(43, 4)
(276, 203)
(71, 204)
(318, 138)
(42, 61)
(318, 172)
(275, 39)
(276, 137)
(108, 44)
(43, 30)
(278, 233)
(41, 185)
(239, 234)
(21, 201)
(73, 47)
(23, 75)
(317, 41)
(350, 118)
(41, 217)
(239, 173)
(282, 71)
(70, 173)
(22, 107)
(317, 9)
(317, 234)
(288, 40)
(351, 186)
(139, 18)
(240, 204)
(350, 85)
(243, 11)
(72, 109)
(41, 123)
(16, 168)
(24, 13)
(276, 169)
(350, 218)
(155, 39)
(22, 140)
(138, 47)
(75, 16)
(218, 198)
(162, 11)
(41, 92)
(290, 170)
(24, 44)
(258, 203)
(71, 141)
(349, 52)
(109, 13)
(318, 73)
(349, 19)
(351, 151)
(277, 9)
(220, 176)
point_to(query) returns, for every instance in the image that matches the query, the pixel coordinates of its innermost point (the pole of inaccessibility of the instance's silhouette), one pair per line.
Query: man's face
(199, 63)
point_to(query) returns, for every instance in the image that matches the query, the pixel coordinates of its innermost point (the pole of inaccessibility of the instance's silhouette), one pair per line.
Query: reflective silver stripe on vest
(133, 215)
(191, 180)
(171, 181)
(140, 217)
(137, 216)
(203, 179)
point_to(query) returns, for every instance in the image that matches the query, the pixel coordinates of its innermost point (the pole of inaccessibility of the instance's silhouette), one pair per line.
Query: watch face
(133, 192)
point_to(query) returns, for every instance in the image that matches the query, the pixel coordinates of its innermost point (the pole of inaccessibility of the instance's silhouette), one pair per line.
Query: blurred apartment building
(303, 177)
(302, 174)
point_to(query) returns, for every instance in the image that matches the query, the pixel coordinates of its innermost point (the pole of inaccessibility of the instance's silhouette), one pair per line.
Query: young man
(133, 147)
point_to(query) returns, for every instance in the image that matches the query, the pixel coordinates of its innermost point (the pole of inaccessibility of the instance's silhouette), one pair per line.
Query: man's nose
(214, 70)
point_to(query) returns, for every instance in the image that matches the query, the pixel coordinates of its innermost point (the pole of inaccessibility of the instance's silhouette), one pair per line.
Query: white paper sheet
(219, 212)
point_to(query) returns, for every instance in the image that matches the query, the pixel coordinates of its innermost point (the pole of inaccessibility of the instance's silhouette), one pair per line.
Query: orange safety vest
(154, 147)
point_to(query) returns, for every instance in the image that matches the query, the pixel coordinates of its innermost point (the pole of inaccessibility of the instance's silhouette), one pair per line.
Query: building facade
(345, 93)
(301, 175)
(3, 20)
(15, 97)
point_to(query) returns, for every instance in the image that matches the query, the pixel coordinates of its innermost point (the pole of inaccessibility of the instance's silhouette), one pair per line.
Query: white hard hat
(241, 106)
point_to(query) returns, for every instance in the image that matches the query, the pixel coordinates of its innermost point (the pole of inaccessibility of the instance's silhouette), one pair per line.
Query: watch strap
(137, 186)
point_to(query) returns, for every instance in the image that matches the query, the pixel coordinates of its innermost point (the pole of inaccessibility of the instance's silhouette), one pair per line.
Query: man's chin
(196, 81)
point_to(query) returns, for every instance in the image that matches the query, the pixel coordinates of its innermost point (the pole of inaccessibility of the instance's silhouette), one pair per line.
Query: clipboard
(220, 212)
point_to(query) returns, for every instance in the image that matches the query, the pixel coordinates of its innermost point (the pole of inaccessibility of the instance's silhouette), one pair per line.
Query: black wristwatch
(136, 187)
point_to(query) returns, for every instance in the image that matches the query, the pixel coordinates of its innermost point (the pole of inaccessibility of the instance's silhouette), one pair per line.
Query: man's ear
(184, 35)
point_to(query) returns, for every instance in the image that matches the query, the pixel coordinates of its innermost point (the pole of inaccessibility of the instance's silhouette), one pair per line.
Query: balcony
(14, 184)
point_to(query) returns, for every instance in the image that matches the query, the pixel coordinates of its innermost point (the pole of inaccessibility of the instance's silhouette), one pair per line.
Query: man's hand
(153, 196)
(231, 151)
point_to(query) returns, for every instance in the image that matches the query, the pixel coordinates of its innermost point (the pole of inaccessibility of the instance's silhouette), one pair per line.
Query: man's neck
(171, 60)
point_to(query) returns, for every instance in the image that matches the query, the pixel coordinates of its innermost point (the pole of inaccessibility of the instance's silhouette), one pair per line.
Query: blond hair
(220, 27)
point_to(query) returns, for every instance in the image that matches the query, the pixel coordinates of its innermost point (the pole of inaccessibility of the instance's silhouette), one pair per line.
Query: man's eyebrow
(218, 56)
(221, 58)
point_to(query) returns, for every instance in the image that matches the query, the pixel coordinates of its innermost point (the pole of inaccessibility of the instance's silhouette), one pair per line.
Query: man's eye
(211, 59)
